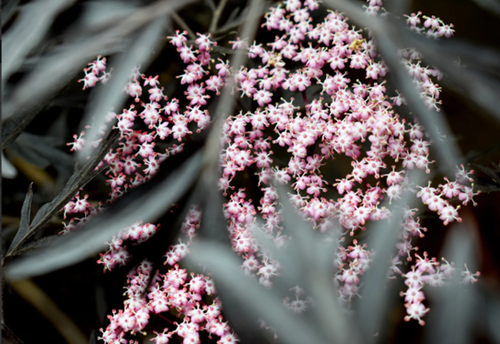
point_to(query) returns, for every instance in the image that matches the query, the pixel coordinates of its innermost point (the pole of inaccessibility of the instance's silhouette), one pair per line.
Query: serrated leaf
(493, 174)
(145, 202)
(79, 179)
(24, 220)
(36, 245)
(485, 185)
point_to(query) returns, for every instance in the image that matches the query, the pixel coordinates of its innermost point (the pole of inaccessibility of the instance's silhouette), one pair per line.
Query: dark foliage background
(35, 130)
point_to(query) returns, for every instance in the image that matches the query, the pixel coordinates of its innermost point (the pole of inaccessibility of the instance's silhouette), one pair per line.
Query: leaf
(479, 87)
(145, 202)
(451, 318)
(245, 301)
(79, 179)
(41, 152)
(24, 221)
(306, 261)
(8, 170)
(315, 258)
(8, 10)
(29, 29)
(36, 245)
(55, 70)
(492, 6)
(494, 174)
(213, 223)
(377, 291)
(493, 317)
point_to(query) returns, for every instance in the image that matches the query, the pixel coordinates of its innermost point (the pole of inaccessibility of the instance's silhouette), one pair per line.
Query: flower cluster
(304, 106)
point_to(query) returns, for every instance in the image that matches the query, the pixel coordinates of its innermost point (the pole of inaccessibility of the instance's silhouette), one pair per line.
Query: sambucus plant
(300, 115)
(358, 120)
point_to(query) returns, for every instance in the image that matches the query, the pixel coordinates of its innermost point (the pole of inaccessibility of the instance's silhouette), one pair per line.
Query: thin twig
(217, 13)
(183, 25)
(34, 295)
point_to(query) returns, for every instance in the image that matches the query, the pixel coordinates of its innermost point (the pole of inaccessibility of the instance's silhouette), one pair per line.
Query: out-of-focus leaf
(24, 220)
(153, 250)
(245, 15)
(397, 7)
(494, 319)
(79, 179)
(225, 106)
(29, 29)
(54, 71)
(9, 7)
(40, 151)
(216, 15)
(316, 263)
(8, 170)
(213, 223)
(100, 13)
(245, 300)
(145, 202)
(306, 261)
(112, 95)
(452, 315)
(291, 271)
(490, 6)
(373, 307)
(479, 87)
(473, 55)
(433, 122)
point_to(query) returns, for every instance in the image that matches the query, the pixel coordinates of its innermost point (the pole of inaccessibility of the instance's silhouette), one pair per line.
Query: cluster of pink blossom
(173, 290)
(185, 296)
(342, 118)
